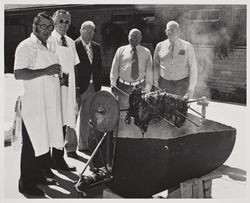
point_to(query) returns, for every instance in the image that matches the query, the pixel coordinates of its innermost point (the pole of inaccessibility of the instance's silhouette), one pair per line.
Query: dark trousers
(31, 166)
(57, 154)
(84, 128)
(178, 87)
(64, 131)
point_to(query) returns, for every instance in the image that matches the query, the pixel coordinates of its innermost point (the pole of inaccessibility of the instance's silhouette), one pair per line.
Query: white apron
(41, 107)
(66, 59)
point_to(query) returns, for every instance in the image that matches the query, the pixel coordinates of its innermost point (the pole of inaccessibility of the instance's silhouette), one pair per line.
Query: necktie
(89, 52)
(135, 66)
(64, 43)
(171, 50)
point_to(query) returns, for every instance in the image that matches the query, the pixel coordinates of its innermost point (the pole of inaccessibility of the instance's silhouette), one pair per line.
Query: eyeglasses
(46, 27)
(62, 21)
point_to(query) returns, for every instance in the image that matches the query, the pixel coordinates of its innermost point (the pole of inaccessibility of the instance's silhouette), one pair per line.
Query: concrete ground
(232, 185)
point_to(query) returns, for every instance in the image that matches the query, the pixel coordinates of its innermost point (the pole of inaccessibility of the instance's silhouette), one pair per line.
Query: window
(208, 15)
(208, 27)
(121, 18)
(141, 20)
(127, 17)
(239, 26)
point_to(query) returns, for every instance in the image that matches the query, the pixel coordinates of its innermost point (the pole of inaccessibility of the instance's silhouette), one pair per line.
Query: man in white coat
(37, 65)
(65, 49)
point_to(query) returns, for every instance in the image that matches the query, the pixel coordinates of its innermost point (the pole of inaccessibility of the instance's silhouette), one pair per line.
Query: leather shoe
(30, 189)
(47, 181)
(59, 162)
(85, 151)
(66, 167)
(62, 165)
(48, 173)
(73, 155)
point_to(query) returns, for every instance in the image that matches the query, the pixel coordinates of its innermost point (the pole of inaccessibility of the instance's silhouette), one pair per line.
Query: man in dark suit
(88, 77)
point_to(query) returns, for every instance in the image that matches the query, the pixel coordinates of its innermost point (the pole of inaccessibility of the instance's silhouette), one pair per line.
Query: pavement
(231, 186)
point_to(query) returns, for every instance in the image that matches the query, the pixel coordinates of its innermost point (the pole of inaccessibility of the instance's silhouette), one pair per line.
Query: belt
(131, 83)
(175, 80)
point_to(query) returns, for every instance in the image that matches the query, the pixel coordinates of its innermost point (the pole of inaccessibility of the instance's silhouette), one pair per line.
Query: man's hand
(189, 94)
(64, 80)
(54, 69)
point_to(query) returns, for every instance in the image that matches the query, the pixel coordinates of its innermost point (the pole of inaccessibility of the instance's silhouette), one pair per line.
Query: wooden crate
(196, 187)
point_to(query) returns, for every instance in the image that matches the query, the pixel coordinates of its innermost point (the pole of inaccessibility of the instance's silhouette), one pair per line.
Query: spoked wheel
(104, 111)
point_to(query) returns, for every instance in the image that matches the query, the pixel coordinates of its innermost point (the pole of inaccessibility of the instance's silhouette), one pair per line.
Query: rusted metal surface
(104, 111)
(165, 155)
(146, 166)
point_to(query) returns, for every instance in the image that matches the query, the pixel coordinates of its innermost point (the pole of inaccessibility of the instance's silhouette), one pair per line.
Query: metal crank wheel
(104, 111)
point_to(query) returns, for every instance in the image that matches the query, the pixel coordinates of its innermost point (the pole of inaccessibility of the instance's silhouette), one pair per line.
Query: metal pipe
(202, 99)
(167, 121)
(120, 90)
(194, 100)
(197, 112)
(124, 109)
(187, 118)
(94, 152)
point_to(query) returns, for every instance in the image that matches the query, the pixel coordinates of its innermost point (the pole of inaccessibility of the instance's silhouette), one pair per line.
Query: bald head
(88, 24)
(172, 30)
(173, 24)
(87, 31)
(134, 37)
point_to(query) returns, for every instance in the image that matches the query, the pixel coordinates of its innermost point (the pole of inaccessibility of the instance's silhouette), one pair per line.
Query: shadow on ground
(233, 173)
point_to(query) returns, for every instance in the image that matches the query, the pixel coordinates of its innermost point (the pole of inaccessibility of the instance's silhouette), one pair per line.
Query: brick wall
(223, 74)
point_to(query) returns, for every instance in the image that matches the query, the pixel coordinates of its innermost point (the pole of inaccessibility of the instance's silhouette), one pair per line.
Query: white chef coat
(68, 58)
(41, 101)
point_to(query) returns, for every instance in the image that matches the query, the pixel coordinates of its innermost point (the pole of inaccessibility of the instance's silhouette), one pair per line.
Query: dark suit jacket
(85, 68)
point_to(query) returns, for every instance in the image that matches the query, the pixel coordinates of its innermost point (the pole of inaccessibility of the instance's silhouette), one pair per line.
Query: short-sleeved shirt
(26, 52)
(41, 100)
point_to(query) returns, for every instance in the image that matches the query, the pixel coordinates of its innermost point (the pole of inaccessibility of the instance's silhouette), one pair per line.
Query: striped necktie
(89, 53)
(171, 50)
(64, 43)
(135, 66)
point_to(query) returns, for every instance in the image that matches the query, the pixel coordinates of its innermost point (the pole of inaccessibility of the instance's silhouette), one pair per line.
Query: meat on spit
(144, 107)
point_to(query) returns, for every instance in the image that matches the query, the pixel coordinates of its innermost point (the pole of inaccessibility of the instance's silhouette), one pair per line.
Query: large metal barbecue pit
(136, 164)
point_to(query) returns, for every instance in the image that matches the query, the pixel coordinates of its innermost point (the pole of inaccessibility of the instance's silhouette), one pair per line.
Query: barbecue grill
(137, 165)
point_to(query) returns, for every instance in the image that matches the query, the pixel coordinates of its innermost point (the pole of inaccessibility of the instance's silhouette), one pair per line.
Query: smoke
(212, 39)
(212, 44)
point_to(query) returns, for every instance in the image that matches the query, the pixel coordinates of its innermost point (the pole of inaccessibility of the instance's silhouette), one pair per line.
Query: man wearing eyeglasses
(68, 58)
(37, 65)
(88, 77)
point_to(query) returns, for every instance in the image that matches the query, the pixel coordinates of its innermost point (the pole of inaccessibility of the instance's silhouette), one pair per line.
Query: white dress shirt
(177, 65)
(121, 65)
